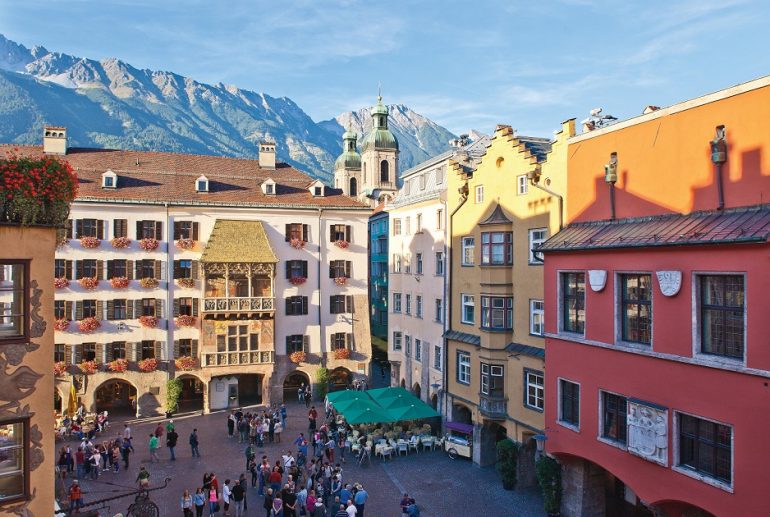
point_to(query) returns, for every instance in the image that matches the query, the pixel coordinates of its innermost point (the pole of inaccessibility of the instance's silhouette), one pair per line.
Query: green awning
(338, 396)
(380, 405)
(388, 393)
(362, 412)
(416, 411)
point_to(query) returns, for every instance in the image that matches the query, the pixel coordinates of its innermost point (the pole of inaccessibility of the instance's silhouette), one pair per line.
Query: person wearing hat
(170, 426)
(76, 496)
(360, 499)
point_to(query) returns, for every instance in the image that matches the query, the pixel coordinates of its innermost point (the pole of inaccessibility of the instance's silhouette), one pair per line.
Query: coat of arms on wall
(669, 281)
(648, 432)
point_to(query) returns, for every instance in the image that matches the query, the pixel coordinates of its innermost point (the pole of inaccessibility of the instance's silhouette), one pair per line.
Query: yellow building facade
(495, 353)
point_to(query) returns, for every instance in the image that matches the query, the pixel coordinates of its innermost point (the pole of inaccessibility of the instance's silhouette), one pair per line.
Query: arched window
(384, 173)
(353, 187)
(364, 173)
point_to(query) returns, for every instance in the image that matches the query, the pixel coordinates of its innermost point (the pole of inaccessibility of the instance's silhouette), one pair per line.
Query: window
(497, 312)
(296, 343)
(60, 268)
(148, 350)
(148, 307)
(14, 469)
(721, 315)
(496, 248)
(339, 232)
(186, 307)
(117, 268)
(149, 230)
(269, 188)
(120, 228)
(468, 311)
(463, 367)
(185, 348)
(422, 181)
(146, 268)
(384, 174)
(492, 381)
(573, 299)
(408, 345)
(521, 184)
(239, 338)
(705, 447)
(440, 263)
(418, 350)
(439, 176)
(408, 304)
(396, 302)
(119, 310)
(89, 308)
(118, 350)
(408, 225)
(396, 226)
(407, 264)
(536, 317)
(89, 228)
(396, 263)
(537, 236)
(534, 393)
(569, 403)
(296, 269)
(296, 231)
(469, 249)
(59, 354)
(60, 310)
(418, 223)
(397, 340)
(340, 304)
(419, 263)
(437, 357)
(88, 351)
(185, 230)
(614, 417)
(296, 305)
(108, 181)
(183, 269)
(636, 308)
(339, 268)
(318, 191)
(88, 268)
(418, 307)
(439, 316)
(479, 194)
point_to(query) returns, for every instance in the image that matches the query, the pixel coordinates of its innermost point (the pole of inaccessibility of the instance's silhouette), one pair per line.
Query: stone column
(582, 489)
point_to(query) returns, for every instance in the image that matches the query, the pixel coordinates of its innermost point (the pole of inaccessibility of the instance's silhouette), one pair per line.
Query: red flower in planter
(119, 282)
(118, 365)
(61, 325)
(148, 365)
(89, 367)
(89, 282)
(342, 353)
(297, 243)
(186, 363)
(298, 357)
(149, 244)
(341, 244)
(89, 324)
(185, 321)
(61, 283)
(149, 283)
(90, 242)
(341, 280)
(59, 368)
(185, 282)
(297, 280)
(121, 242)
(150, 322)
(185, 244)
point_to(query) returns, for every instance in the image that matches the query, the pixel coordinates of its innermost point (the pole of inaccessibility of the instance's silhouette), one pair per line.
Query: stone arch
(434, 401)
(403, 383)
(353, 187)
(384, 171)
(193, 392)
(462, 414)
(417, 390)
(118, 395)
(340, 378)
(291, 384)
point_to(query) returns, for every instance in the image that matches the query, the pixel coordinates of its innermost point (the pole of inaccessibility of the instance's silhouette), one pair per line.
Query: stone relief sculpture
(669, 281)
(648, 432)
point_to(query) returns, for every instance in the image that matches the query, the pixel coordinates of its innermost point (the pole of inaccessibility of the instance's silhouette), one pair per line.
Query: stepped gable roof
(538, 147)
(163, 177)
(238, 241)
(732, 226)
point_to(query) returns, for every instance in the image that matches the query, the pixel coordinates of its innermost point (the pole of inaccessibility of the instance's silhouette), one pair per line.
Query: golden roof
(238, 241)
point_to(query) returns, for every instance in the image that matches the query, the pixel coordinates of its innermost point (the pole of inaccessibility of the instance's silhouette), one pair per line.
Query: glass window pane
(12, 439)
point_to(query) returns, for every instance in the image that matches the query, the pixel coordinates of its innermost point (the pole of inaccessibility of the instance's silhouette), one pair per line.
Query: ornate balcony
(238, 358)
(255, 304)
(493, 407)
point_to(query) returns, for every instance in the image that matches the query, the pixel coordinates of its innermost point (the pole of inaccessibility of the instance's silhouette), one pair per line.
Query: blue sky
(530, 64)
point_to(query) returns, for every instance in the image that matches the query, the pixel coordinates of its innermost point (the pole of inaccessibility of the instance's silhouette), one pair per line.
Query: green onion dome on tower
(349, 159)
(380, 136)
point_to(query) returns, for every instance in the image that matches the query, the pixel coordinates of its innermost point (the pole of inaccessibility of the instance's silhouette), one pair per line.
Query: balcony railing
(238, 304)
(492, 406)
(238, 358)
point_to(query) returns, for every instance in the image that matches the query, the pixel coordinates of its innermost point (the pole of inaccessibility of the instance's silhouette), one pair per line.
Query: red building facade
(658, 327)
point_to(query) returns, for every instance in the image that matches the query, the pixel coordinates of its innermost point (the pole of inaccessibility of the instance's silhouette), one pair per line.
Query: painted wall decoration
(648, 432)
(670, 282)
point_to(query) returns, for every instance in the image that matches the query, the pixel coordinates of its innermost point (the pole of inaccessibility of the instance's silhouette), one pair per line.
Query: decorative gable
(317, 188)
(269, 187)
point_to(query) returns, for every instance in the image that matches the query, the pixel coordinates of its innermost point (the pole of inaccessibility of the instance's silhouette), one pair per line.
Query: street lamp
(540, 444)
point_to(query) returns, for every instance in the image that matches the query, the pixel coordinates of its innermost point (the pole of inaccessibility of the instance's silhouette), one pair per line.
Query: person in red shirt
(76, 496)
(275, 480)
(312, 415)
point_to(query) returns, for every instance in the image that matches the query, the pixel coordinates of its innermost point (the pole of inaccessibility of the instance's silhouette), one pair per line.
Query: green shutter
(68, 268)
(108, 352)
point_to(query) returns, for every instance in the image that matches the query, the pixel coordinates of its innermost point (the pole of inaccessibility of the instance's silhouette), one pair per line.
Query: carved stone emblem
(669, 281)
(597, 278)
(648, 432)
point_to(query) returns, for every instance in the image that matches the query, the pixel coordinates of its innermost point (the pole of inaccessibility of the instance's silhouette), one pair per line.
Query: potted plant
(120, 242)
(173, 393)
(342, 244)
(149, 244)
(185, 282)
(149, 322)
(342, 353)
(119, 282)
(61, 283)
(507, 454)
(59, 368)
(90, 242)
(148, 365)
(297, 280)
(323, 378)
(61, 325)
(297, 243)
(341, 280)
(149, 283)
(89, 282)
(185, 321)
(185, 244)
(298, 357)
(89, 324)
(548, 473)
(62, 241)
(186, 363)
(89, 367)
(118, 365)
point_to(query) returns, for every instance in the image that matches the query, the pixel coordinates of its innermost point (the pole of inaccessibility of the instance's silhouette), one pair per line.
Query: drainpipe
(534, 180)
(611, 177)
(320, 297)
(169, 295)
(719, 157)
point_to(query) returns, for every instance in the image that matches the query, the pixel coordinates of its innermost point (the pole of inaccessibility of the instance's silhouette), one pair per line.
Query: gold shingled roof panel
(238, 241)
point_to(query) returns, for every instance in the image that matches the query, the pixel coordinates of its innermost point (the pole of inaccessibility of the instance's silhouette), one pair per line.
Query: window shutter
(100, 269)
(348, 267)
(138, 308)
(176, 307)
(79, 310)
(288, 231)
(100, 228)
(194, 348)
(331, 270)
(158, 308)
(68, 311)
(349, 341)
(195, 307)
(110, 309)
(195, 268)
(176, 349)
(195, 231)
(288, 269)
(79, 269)
(78, 354)
(304, 305)
(288, 306)
(110, 270)
(288, 342)
(306, 344)
(305, 233)
(108, 352)
(78, 228)
(349, 303)
(159, 230)
(177, 226)
(138, 268)
(138, 230)
(156, 351)
(68, 268)
(304, 268)
(68, 354)
(347, 232)
(331, 233)
(177, 270)
(100, 310)
(129, 309)
(101, 353)
(68, 229)
(158, 270)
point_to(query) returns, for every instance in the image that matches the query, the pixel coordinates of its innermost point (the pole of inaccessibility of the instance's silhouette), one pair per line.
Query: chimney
(55, 140)
(267, 155)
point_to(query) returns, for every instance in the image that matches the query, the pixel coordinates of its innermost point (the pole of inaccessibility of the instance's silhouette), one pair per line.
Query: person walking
(226, 496)
(153, 446)
(237, 497)
(125, 451)
(360, 499)
(268, 504)
(199, 501)
(213, 501)
(283, 415)
(308, 395)
(194, 444)
(312, 415)
(278, 430)
(186, 503)
(250, 455)
(245, 488)
(171, 439)
(301, 393)
(230, 424)
(76, 496)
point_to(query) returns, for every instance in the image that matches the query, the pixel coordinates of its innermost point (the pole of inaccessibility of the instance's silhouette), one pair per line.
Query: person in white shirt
(126, 432)
(226, 496)
(351, 509)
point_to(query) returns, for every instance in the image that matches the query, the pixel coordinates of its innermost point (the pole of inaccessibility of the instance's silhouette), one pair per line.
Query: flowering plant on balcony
(341, 280)
(62, 241)
(61, 282)
(148, 365)
(121, 242)
(89, 324)
(89, 282)
(149, 244)
(342, 353)
(149, 282)
(298, 357)
(90, 242)
(185, 321)
(89, 367)
(61, 325)
(118, 365)
(297, 280)
(341, 244)
(186, 363)
(297, 243)
(119, 282)
(185, 244)
(149, 322)
(59, 368)
(185, 282)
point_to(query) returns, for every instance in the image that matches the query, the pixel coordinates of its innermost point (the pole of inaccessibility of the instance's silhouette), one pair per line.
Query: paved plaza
(442, 487)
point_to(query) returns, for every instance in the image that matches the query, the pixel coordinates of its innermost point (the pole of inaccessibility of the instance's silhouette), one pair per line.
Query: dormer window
(109, 179)
(202, 184)
(268, 187)
(317, 189)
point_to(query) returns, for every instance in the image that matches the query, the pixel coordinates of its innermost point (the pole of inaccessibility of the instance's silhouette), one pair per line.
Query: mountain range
(111, 104)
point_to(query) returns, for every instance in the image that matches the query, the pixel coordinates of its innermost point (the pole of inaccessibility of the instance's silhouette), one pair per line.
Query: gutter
(171, 365)
(120, 201)
(557, 196)
(321, 334)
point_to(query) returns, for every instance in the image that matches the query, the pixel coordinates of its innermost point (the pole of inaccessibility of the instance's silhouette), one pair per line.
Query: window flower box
(120, 243)
(298, 357)
(119, 282)
(185, 282)
(342, 244)
(149, 244)
(89, 367)
(59, 368)
(118, 365)
(61, 325)
(89, 282)
(185, 244)
(148, 365)
(341, 280)
(185, 321)
(61, 283)
(297, 280)
(149, 283)
(186, 363)
(297, 243)
(89, 324)
(149, 322)
(61, 242)
(90, 242)
(342, 353)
